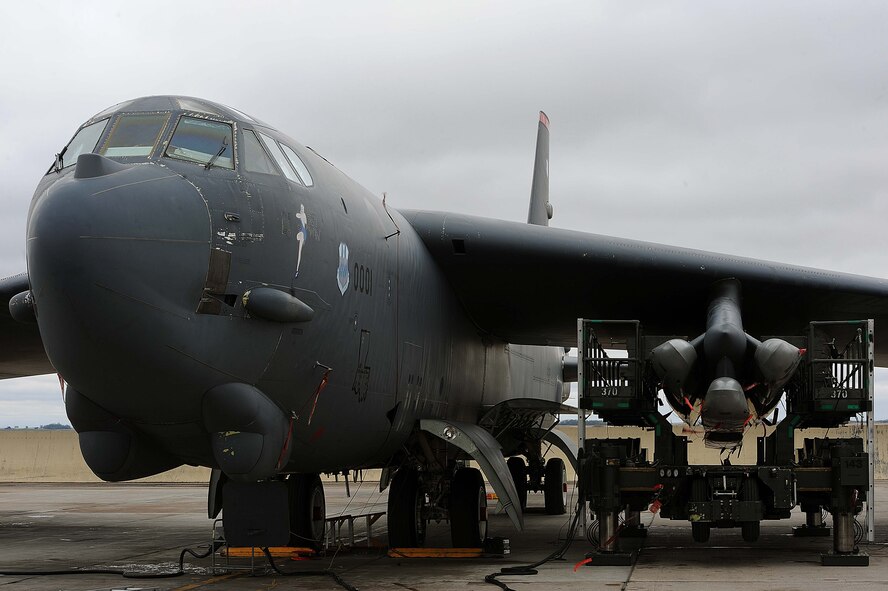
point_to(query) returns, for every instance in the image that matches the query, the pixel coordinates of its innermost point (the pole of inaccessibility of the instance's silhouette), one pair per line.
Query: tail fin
(540, 209)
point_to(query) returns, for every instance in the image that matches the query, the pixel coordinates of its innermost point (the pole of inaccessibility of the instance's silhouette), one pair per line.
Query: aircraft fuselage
(141, 270)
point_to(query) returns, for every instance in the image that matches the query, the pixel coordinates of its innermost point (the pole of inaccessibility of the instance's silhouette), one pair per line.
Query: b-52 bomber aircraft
(214, 293)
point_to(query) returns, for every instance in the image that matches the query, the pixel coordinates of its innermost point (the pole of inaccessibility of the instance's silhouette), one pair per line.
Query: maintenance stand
(832, 384)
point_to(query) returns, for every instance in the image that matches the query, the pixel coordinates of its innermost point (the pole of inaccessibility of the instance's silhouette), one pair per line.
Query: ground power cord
(530, 569)
(113, 571)
(307, 573)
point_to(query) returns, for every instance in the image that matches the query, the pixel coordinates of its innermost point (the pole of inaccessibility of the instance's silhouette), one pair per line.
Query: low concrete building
(35, 455)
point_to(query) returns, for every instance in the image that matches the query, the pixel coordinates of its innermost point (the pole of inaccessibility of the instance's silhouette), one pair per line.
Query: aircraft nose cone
(114, 258)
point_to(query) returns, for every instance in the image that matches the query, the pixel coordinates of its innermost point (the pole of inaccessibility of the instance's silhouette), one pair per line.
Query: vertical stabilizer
(540, 209)
(532, 366)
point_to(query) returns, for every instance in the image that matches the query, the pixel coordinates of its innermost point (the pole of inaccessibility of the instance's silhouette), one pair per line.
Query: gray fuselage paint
(118, 265)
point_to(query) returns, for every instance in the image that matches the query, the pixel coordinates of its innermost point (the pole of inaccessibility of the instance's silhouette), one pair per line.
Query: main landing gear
(308, 510)
(406, 510)
(287, 511)
(550, 479)
(416, 498)
(555, 487)
(468, 509)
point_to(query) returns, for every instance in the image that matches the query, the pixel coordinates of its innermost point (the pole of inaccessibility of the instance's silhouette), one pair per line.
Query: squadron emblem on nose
(342, 271)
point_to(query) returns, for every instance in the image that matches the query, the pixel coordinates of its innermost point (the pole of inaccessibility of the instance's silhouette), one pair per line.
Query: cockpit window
(202, 141)
(298, 164)
(255, 158)
(134, 134)
(195, 105)
(113, 109)
(84, 141)
(275, 151)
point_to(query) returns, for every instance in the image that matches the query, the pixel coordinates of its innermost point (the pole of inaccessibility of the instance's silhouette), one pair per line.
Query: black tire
(468, 509)
(406, 523)
(555, 487)
(750, 530)
(700, 531)
(518, 470)
(308, 511)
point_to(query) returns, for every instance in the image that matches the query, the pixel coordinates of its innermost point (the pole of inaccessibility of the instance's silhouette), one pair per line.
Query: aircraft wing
(528, 284)
(21, 350)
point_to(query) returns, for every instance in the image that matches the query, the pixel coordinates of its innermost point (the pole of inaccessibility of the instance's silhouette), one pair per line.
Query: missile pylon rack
(832, 385)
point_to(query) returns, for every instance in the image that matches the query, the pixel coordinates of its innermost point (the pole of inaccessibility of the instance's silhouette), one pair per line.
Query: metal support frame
(633, 527)
(581, 417)
(870, 442)
(617, 477)
(814, 526)
(333, 529)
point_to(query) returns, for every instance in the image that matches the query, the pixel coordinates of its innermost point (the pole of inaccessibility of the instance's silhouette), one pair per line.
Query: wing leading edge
(528, 284)
(21, 350)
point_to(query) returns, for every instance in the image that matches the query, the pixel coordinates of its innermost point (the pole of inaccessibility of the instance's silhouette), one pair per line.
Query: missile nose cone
(674, 357)
(673, 361)
(777, 360)
(725, 407)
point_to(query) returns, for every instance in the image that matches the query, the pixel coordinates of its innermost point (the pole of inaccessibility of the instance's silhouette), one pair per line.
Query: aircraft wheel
(750, 529)
(468, 509)
(555, 487)
(518, 470)
(700, 531)
(308, 510)
(406, 523)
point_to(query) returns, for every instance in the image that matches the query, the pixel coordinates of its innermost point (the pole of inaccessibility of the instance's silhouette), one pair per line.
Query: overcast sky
(752, 128)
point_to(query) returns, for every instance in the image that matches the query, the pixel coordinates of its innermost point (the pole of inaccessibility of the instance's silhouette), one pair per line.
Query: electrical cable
(570, 502)
(530, 569)
(111, 571)
(592, 533)
(859, 532)
(308, 573)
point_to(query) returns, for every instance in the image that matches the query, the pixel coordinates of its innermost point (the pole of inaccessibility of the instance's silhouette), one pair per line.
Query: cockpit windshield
(157, 126)
(134, 134)
(202, 141)
(84, 141)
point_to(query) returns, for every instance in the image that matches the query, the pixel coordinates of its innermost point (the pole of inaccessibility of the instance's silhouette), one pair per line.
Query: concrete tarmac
(142, 528)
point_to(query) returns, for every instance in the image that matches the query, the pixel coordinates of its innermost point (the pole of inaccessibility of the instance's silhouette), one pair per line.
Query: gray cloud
(753, 128)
